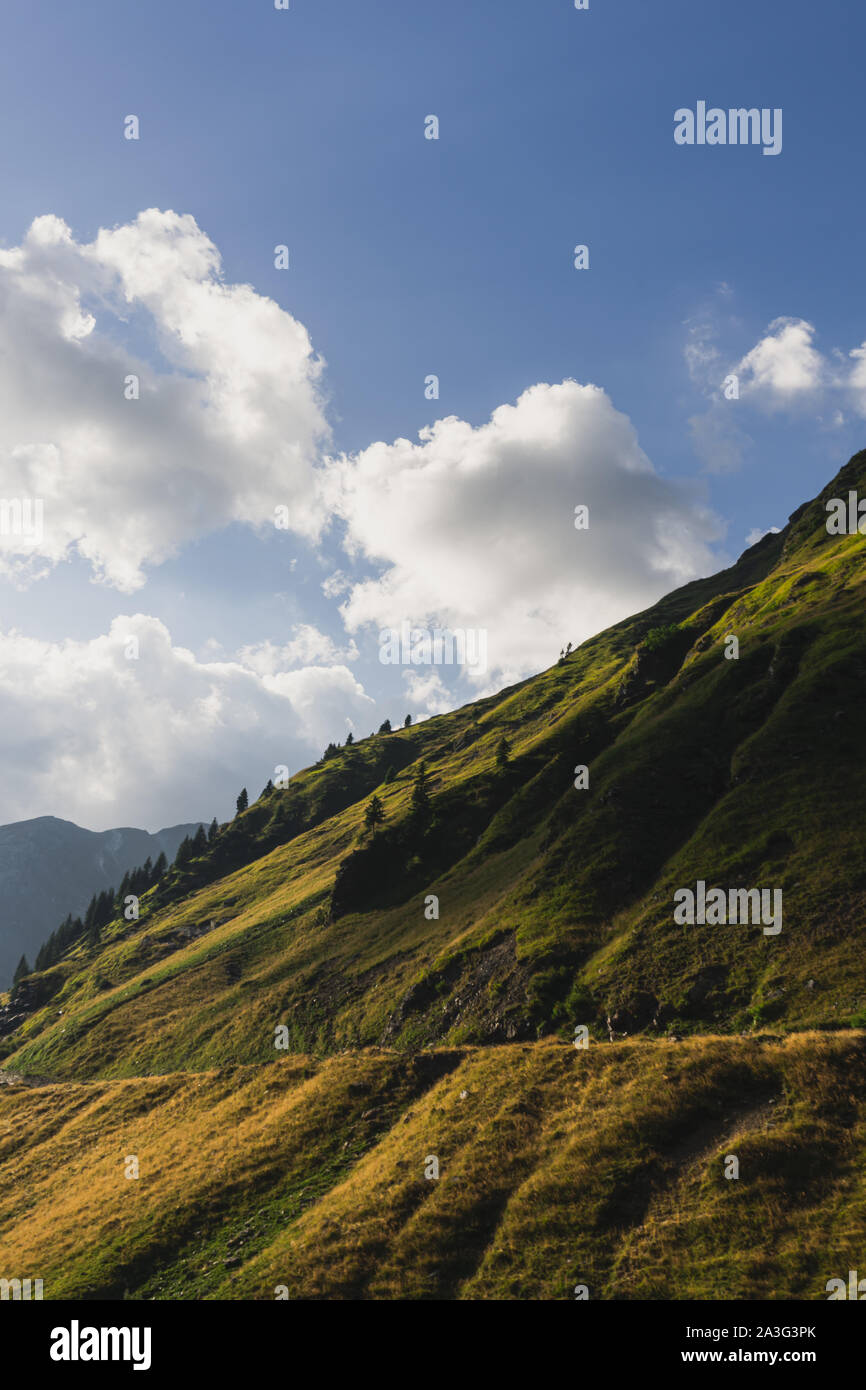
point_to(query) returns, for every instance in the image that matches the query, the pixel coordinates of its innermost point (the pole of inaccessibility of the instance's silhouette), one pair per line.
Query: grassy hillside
(555, 909)
(557, 1167)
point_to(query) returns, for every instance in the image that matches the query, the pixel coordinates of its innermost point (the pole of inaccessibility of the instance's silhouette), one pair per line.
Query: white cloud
(308, 647)
(426, 689)
(228, 426)
(336, 584)
(105, 740)
(475, 527)
(784, 366)
(756, 534)
(783, 372)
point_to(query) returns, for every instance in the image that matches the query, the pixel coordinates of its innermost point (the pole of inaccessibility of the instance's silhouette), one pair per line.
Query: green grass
(555, 908)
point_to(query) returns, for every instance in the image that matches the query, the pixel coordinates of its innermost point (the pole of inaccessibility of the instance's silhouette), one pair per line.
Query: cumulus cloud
(307, 647)
(469, 528)
(474, 528)
(783, 372)
(784, 366)
(104, 738)
(229, 424)
(427, 691)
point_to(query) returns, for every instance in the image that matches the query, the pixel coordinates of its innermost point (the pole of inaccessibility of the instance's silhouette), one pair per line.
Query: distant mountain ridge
(50, 867)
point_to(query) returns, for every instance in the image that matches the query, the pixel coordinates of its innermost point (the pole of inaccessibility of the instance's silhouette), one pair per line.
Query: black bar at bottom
(59, 1339)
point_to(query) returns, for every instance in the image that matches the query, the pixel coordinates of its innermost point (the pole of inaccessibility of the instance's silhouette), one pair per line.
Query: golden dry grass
(557, 1167)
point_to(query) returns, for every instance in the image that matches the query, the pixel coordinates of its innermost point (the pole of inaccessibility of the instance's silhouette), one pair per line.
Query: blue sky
(452, 257)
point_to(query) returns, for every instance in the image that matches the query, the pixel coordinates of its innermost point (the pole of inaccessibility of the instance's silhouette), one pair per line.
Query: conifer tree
(374, 813)
(184, 852)
(21, 969)
(243, 801)
(419, 806)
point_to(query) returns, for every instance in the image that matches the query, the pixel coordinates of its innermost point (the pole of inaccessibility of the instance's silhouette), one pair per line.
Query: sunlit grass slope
(557, 1167)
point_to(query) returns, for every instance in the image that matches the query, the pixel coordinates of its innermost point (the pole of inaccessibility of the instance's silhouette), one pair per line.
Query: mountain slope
(555, 904)
(557, 1167)
(294, 1028)
(51, 867)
